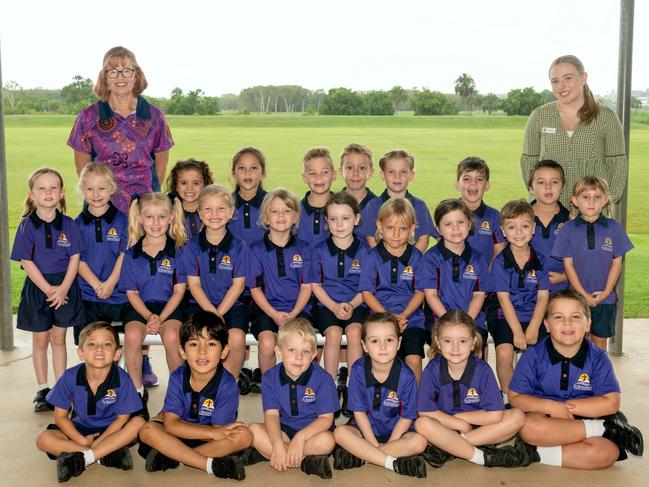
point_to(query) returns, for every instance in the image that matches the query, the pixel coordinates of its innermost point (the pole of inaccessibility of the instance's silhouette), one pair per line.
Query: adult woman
(123, 130)
(583, 136)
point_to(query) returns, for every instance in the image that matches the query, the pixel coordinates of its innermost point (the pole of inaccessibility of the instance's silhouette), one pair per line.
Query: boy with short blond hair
(318, 175)
(357, 168)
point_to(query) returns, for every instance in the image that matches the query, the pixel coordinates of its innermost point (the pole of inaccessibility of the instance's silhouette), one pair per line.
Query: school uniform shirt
(476, 390)
(522, 285)
(423, 220)
(394, 280)
(114, 397)
(216, 265)
(105, 237)
(49, 245)
(455, 277)
(217, 403)
(245, 222)
(384, 402)
(153, 278)
(363, 206)
(313, 225)
(543, 241)
(193, 223)
(280, 271)
(299, 401)
(485, 231)
(592, 246)
(543, 372)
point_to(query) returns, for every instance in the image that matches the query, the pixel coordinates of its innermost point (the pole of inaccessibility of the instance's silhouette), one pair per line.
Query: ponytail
(176, 228)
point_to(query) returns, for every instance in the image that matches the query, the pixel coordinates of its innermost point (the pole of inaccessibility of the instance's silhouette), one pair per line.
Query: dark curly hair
(186, 165)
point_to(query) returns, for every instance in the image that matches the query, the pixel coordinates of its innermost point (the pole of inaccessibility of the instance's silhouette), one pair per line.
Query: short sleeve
(163, 140)
(498, 235)
(622, 244)
(255, 269)
(561, 247)
(603, 376)
(241, 270)
(188, 262)
(498, 277)
(492, 399)
(367, 282)
(129, 400)
(425, 222)
(544, 278)
(23, 248)
(77, 246)
(127, 279)
(80, 136)
(62, 394)
(227, 403)
(428, 390)
(356, 396)
(483, 283)
(427, 278)
(268, 395)
(181, 278)
(306, 273)
(524, 379)
(408, 398)
(174, 399)
(327, 402)
(367, 227)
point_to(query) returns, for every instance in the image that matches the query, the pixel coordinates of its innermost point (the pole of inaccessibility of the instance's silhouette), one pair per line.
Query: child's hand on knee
(295, 450)
(278, 457)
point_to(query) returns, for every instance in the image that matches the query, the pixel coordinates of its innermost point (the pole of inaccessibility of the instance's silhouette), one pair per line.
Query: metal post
(625, 62)
(6, 322)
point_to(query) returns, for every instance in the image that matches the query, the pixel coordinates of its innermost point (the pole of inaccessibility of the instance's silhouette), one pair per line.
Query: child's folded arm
(596, 406)
(481, 417)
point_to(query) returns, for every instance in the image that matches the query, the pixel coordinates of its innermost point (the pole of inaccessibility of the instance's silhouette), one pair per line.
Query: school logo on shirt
(407, 273)
(207, 408)
(226, 263)
(309, 395)
(111, 235)
(607, 245)
(472, 396)
(296, 262)
(469, 273)
(583, 383)
(356, 267)
(165, 267)
(559, 227)
(110, 397)
(392, 400)
(532, 277)
(63, 240)
(485, 228)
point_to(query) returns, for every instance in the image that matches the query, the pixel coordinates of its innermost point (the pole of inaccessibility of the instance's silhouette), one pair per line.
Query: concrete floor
(22, 464)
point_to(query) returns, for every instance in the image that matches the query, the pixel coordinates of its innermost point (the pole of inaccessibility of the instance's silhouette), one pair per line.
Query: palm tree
(465, 89)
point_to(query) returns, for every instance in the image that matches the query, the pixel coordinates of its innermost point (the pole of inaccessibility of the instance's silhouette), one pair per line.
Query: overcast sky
(223, 47)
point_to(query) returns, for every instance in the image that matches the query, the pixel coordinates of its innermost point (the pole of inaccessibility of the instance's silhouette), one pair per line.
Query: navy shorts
(502, 333)
(238, 317)
(80, 428)
(143, 449)
(412, 342)
(262, 322)
(603, 320)
(290, 432)
(325, 318)
(35, 313)
(101, 311)
(131, 315)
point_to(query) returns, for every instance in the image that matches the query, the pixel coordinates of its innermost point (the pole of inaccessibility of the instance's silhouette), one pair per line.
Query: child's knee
(243, 439)
(266, 344)
(602, 453)
(353, 333)
(424, 424)
(515, 417)
(334, 335)
(42, 439)
(419, 442)
(148, 431)
(324, 442)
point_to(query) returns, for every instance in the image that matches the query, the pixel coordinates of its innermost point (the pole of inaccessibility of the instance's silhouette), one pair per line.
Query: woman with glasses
(123, 130)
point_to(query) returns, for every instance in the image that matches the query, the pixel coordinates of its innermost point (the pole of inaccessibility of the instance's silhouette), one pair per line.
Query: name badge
(549, 130)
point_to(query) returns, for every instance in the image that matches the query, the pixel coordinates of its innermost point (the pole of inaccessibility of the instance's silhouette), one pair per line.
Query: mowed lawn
(438, 144)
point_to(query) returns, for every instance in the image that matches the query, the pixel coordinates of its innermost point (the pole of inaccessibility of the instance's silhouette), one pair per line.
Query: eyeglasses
(114, 73)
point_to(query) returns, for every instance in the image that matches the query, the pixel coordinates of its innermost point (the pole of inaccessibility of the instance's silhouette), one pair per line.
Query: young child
(520, 279)
(150, 278)
(280, 270)
(389, 279)
(356, 168)
(460, 407)
(568, 389)
(197, 425)
(454, 275)
(104, 230)
(106, 408)
(546, 183)
(215, 263)
(47, 245)
(398, 170)
(592, 247)
(248, 171)
(299, 400)
(383, 397)
(186, 181)
(318, 175)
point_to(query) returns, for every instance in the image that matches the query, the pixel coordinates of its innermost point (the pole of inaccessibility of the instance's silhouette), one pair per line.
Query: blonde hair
(288, 198)
(590, 109)
(397, 154)
(111, 59)
(317, 152)
(97, 169)
(397, 208)
(31, 181)
(218, 191)
(515, 208)
(456, 317)
(176, 227)
(298, 326)
(590, 183)
(356, 149)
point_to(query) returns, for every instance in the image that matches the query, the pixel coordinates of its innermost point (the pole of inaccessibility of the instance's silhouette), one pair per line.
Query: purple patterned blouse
(126, 144)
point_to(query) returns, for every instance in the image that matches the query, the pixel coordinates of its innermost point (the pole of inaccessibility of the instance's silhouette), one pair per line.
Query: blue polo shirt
(153, 278)
(216, 265)
(485, 230)
(424, 221)
(48, 244)
(394, 280)
(104, 237)
(455, 277)
(363, 205)
(299, 401)
(384, 402)
(114, 397)
(217, 403)
(245, 222)
(543, 372)
(280, 271)
(476, 390)
(522, 285)
(592, 246)
(193, 223)
(543, 241)
(313, 227)
(339, 271)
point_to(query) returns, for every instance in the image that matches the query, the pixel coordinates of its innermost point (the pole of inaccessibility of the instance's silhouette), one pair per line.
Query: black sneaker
(251, 456)
(144, 412)
(230, 467)
(344, 460)
(619, 431)
(434, 456)
(40, 403)
(316, 465)
(69, 465)
(529, 453)
(244, 382)
(118, 459)
(505, 456)
(341, 381)
(413, 466)
(157, 462)
(255, 382)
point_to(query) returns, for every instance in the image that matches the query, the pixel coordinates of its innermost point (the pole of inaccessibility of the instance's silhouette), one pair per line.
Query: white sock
(89, 457)
(40, 387)
(208, 467)
(478, 457)
(389, 462)
(141, 391)
(594, 427)
(550, 455)
(505, 398)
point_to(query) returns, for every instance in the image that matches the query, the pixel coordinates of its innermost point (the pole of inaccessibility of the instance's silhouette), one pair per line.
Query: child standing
(460, 406)
(383, 398)
(47, 245)
(356, 168)
(592, 247)
(105, 418)
(248, 171)
(318, 175)
(389, 280)
(197, 425)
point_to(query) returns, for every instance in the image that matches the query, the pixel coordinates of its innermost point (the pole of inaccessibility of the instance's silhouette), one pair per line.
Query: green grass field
(438, 144)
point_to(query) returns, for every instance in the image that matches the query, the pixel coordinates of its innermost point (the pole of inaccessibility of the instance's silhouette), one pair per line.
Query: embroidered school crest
(165, 267)
(559, 227)
(407, 273)
(485, 228)
(472, 396)
(226, 263)
(309, 395)
(532, 277)
(110, 397)
(607, 245)
(296, 262)
(63, 241)
(111, 235)
(583, 383)
(469, 273)
(356, 267)
(391, 400)
(207, 408)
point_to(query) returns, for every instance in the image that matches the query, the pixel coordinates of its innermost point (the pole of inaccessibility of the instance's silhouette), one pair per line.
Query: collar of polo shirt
(270, 245)
(447, 254)
(255, 201)
(301, 381)
(169, 250)
(467, 375)
(223, 245)
(578, 359)
(481, 209)
(391, 383)
(108, 216)
(307, 207)
(350, 251)
(57, 222)
(386, 256)
(385, 196)
(112, 382)
(532, 263)
(142, 110)
(211, 388)
(601, 220)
